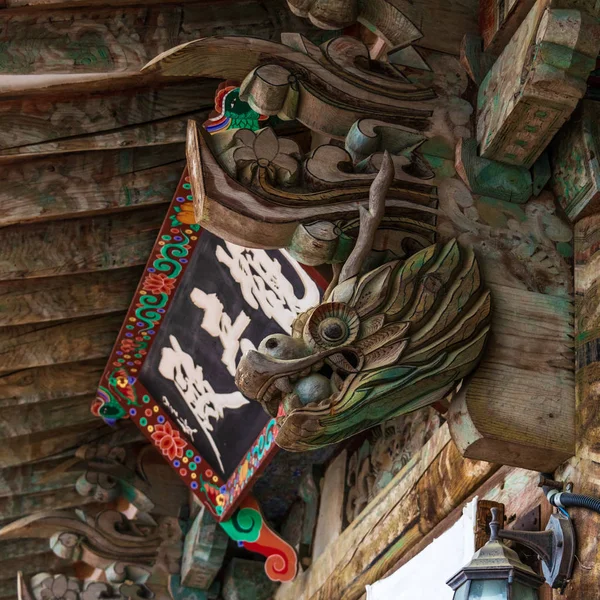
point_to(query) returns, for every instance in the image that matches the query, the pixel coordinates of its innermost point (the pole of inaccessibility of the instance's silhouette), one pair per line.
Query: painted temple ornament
(387, 341)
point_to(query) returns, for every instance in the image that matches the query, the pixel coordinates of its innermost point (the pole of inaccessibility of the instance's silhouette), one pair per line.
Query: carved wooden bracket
(536, 83)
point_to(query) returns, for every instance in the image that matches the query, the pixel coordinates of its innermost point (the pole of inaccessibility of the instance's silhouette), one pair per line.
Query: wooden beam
(123, 39)
(79, 245)
(47, 383)
(73, 119)
(26, 346)
(429, 487)
(584, 470)
(66, 297)
(519, 407)
(89, 182)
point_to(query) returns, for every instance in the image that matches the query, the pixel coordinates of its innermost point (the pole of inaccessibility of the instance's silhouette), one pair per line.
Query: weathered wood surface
(498, 21)
(36, 418)
(19, 450)
(30, 448)
(29, 386)
(475, 61)
(122, 40)
(90, 182)
(67, 297)
(535, 84)
(429, 487)
(491, 178)
(575, 168)
(519, 408)
(330, 519)
(584, 469)
(443, 24)
(27, 346)
(34, 478)
(15, 507)
(246, 579)
(515, 488)
(78, 245)
(77, 119)
(203, 551)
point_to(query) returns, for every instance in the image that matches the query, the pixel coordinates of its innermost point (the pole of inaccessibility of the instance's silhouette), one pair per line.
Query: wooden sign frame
(121, 394)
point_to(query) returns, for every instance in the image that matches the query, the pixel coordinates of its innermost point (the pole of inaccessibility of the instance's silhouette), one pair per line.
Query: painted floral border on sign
(122, 395)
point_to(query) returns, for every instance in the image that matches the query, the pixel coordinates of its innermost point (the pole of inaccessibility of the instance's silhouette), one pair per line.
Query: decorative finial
(494, 525)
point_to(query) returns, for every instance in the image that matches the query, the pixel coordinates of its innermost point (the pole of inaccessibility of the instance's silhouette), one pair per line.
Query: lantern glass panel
(523, 592)
(462, 592)
(489, 589)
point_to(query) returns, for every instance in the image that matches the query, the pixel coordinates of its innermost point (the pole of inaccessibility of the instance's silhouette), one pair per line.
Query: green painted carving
(492, 178)
(246, 580)
(384, 342)
(203, 552)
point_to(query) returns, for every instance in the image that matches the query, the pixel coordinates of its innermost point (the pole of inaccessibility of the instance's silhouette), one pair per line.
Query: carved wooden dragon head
(383, 343)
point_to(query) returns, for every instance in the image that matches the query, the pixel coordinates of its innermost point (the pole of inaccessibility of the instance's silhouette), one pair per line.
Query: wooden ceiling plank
(31, 479)
(29, 448)
(155, 133)
(27, 346)
(79, 245)
(35, 418)
(16, 507)
(124, 39)
(66, 297)
(37, 120)
(40, 563)
(71, 379)
(21, 548)
(89, 182)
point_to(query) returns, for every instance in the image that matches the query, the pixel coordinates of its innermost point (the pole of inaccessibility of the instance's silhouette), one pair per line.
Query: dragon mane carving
(385, 341)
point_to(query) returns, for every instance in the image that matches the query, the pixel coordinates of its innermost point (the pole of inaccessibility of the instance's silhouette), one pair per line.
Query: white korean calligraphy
(217, 323)
(179, 367)
(263, 284)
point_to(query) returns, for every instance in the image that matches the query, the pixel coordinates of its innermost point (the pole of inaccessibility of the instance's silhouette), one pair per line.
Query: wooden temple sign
(536, 83)
(199, 305)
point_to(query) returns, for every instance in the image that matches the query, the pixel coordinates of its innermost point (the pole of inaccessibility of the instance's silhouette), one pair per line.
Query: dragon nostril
(271, 344)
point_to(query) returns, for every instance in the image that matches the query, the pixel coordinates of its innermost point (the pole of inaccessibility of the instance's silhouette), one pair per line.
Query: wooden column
(584, 470)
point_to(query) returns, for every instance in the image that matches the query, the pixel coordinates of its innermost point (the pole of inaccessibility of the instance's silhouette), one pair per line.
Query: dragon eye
(333, 329)
(331, 324)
